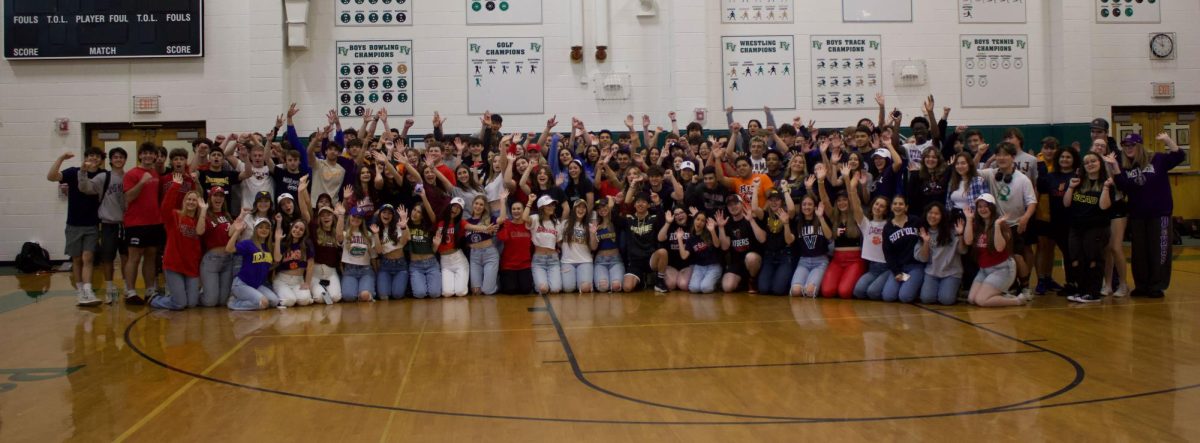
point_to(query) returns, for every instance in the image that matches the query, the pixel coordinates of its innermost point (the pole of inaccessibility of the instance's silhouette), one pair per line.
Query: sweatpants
(1151, 257)
(516, 282)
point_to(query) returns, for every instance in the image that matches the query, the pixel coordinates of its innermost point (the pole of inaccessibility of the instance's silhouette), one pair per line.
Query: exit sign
(1163, 90)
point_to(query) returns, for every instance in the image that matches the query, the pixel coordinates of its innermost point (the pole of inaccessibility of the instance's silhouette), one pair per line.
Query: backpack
(33, 259)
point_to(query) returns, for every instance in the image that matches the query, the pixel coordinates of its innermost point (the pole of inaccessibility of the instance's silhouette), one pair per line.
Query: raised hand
(592, 227)
(671, 115)
(720, 218)
(959, 227)
(679, 234)
(844, 170)
(879, 98)
(819, 170)
(552, 122)
(924, 235)
(202, 205)
(293, 110)
(629, 121)
(339, 210)
(1164, 137)
(374, 229)
(177, 178)
(238, 225)
(348, 192)
(729, 109)
(278, 121)
(1108, 182)
(969, 212)
(66, 156)
(711, 224)
(437, 120)
(304, 181)
(1074, 182)
(408, 123)
(331, 117)
(782, 214)
(645, 121)
(402, 215)
(821, 209)
(810, 181)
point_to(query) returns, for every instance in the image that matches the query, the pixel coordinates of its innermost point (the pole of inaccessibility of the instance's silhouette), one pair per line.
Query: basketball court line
(814, 363)
(178, 392)
(387, 427)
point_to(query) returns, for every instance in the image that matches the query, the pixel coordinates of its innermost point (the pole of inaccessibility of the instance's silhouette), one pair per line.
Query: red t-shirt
(448, 173)
(216, 234)
(518, 246)
(183, 251)
(451, 236)
(987, 255)
(607, 189)
(142, 211)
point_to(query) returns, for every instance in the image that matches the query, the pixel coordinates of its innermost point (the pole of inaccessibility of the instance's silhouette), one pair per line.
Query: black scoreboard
(50, 29)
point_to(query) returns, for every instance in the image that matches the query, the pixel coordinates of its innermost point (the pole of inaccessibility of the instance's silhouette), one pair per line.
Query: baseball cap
(217, 190)
(1099, 123)
(324, 208)
(881, 153)
(733, 198)
(263, 195)
(533, 147)
(544, 200)
(387, 207)
(357, 212)
(987, 198)
(1131, 139)
(285, 196)
(774, 193)
(260, 220)
(458, 201)
(687, 165)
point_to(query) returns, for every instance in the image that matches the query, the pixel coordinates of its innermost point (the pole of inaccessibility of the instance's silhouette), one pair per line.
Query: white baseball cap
(458, 201)
(687, 165)
(987, 198)
(544, 200)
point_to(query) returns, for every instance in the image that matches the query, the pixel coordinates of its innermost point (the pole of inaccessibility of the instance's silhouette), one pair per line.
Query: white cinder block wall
(1079, 70)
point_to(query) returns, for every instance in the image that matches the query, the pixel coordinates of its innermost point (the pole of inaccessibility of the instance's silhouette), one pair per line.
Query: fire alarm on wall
(63, 125)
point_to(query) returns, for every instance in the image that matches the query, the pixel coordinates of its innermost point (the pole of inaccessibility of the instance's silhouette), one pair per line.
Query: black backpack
(33, 259)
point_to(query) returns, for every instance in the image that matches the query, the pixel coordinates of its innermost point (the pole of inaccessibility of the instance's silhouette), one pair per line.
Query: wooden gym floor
(642, 367)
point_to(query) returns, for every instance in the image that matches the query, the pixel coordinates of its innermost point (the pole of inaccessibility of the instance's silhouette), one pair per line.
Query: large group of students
(927, 214)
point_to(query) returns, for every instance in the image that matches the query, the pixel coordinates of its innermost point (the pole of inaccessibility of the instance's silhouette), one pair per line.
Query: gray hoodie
(112, 204)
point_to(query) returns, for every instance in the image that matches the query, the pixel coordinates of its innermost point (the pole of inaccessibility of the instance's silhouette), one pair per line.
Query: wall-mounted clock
(1162, 46)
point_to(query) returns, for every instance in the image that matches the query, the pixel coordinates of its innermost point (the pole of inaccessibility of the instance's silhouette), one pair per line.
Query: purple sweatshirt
(1148, 187)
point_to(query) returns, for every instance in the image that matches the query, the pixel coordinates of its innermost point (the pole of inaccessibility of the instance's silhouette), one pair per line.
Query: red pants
(843, 272)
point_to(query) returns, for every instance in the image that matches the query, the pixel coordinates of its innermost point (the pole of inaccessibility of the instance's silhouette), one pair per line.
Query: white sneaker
(87, 299)
(1122, 291)
(1025, 296)
(110, 296)
(1106, 290)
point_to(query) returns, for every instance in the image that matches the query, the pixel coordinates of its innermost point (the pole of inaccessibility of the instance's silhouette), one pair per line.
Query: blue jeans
(776, 273)
(809, 272)
(246, 298)
(392, 279)
(906, 291)
(426, 278)
(942, 290)
(870, 285)
(485, 264)
(574, 275)
(609, 271)
(704, 278)
(184, 292)
(355, 280)
(216, 276)
(547, 274)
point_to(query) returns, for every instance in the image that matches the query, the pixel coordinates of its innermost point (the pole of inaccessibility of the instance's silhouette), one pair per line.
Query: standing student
(547, 231)
(449, 236)
(700, 250)
(1053, 183)
(847, 265)
(216, 266)
(988, 235)
(358, 244)
(143, 223)
(738, 234)
(516, 259)
(576, 249)
(940, 248)
(182, 255)
(778, 263)
(109, 187)
(811, 247)
(607, 268)
(1144, 179)
(327, 174)
(82, 233)
(250, 290)
(901, 237)
(1114, 283)
(485, 259)
(1088, 199)
(1017, 202)
(424, 272)
(391, 228)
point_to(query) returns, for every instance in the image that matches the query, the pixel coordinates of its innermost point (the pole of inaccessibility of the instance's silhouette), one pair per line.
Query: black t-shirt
(702, 253)
(706, 200)
(923, 192)
(579, 191)
(672, 244)
(810, 238)
(1085, 210)
(776, 241)
(642, 234)
(741, 237)
(286, 182)
(225, 179)
(664, 194)
(82, 209)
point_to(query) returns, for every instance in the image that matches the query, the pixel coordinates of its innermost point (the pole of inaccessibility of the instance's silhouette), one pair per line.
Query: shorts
(676, 262)
(147, 236)
(80, 239)
(1000, 276)
(1041, 228)
(1021, 241)
(638, 267)
(735, 263)
(112, 241)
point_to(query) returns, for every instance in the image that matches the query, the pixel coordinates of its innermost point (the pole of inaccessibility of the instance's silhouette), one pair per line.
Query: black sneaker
(132, 298)
(1068, 291)
(1086, 298)
(660, 286)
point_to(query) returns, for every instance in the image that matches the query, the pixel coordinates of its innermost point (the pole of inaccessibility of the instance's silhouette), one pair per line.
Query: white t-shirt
(577, 249)
(326, 179)
(961, 197)
(546, 235)
(758, 166)
(1027, 164)
(357, 249)
(915, 152)
(494, 188)
(872, 231)
(1011, 198)
(259, 180)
